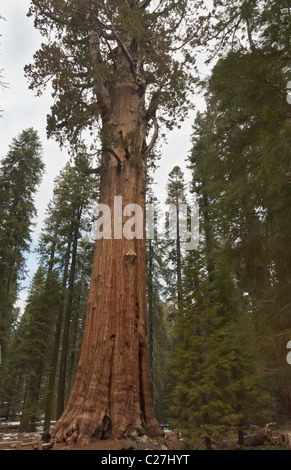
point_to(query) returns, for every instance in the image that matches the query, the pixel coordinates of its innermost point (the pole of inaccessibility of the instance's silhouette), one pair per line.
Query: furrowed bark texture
(111, 393)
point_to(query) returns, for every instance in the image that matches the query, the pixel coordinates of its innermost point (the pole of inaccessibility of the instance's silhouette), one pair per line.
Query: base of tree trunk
(88, 428)
(111, 395)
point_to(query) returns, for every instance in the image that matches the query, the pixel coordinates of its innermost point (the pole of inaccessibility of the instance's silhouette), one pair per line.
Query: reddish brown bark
(111, 392)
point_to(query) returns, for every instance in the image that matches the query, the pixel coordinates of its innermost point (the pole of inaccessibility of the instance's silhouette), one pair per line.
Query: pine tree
(69, 215)
(173, 249)
(248, 189)
(221, 384)
(81, 290)
(159, 328)
(34, 347)
(20, 174)
(214, 366)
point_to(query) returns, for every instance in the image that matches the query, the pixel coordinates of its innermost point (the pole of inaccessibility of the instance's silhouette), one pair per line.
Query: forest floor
(256, 438)
(171, 441)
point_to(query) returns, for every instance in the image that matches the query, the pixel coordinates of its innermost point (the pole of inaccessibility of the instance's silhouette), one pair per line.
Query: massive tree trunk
(111, 393)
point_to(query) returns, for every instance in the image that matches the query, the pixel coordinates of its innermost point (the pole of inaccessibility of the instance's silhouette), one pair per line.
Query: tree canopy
(93, 47)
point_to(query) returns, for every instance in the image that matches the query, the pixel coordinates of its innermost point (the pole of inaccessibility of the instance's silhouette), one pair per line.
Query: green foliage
(218, 318)
(172, 246)
(234, 327)
(30, 356)
(74, 191)
(31, 344)
(216, 386)
(92, 47)
(248, 152)
(20, 174)
(159, 336)
(66, 249)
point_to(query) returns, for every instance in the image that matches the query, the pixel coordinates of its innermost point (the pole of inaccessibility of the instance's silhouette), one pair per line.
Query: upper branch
(154, 137)
(144, 4)
(51, 15)
(114, 154)
(120, 42)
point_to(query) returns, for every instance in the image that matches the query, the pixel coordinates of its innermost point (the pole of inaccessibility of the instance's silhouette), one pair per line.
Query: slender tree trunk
(74, 339)
(67, 319)
(204, 399)
(208, 443)
(29, 412)
(54, 360)
(112, 386)
(208, 238)
(240, 436)
(151, 318)
(179, 268)
(258, 262)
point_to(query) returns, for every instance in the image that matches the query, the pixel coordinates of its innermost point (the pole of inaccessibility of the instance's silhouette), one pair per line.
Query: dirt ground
(170, 442)
(108, 444)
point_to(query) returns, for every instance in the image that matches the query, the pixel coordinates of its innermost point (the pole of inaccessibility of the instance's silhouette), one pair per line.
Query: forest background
(218, 317)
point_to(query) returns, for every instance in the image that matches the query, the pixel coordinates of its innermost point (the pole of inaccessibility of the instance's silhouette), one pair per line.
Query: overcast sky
(22, 109)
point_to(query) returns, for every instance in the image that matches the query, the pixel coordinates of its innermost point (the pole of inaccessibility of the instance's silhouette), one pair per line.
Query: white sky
(22, 109)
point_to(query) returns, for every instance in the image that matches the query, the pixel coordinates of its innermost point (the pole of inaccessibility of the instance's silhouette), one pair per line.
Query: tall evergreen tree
(159, 328)
(35, 345)
(237, 146)
(20, 174)
(173, 249)
(249, 191)
(69, 215)
(214, 366)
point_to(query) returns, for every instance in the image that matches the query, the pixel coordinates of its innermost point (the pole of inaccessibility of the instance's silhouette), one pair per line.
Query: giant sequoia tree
(114, 71)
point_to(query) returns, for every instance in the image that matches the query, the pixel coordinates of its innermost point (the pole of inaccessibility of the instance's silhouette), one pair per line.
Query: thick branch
(90, 171)
(120, 42)
(250, 38)
(114, 154)
(52, 17)
(153, 106)
(154, 138)
(110, 51)
(144, 4)
(100, 88)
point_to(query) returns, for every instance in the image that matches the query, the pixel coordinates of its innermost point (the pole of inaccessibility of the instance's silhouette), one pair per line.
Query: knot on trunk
(130, 257)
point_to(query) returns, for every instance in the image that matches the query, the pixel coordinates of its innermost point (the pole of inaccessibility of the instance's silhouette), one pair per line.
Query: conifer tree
(221, 376)
(81, 290)
(214, 365)
(159, 328)
(173, 250)
(20, 175)
(249, 191)
(35, 346)
(69, 215)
